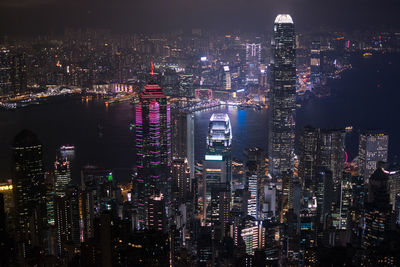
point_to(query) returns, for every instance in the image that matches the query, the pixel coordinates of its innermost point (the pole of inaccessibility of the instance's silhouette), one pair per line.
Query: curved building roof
(284, 18)
(25, 138)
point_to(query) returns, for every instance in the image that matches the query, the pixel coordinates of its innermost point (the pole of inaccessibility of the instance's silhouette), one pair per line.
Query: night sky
(44, 16)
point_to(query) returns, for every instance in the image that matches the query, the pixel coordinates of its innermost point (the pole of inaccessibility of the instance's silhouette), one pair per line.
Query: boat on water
(67, 148)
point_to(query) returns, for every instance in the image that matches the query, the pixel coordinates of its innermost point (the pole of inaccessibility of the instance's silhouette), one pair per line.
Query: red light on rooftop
(152, 69)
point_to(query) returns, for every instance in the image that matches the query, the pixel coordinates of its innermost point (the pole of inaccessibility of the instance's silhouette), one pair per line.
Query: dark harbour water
(367, 97)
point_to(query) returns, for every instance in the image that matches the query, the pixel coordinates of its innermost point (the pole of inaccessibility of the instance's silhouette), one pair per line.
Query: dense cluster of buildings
(100, 61)
(293, 205)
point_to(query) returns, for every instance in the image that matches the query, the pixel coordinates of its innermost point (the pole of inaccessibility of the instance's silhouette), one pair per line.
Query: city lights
(199, 134)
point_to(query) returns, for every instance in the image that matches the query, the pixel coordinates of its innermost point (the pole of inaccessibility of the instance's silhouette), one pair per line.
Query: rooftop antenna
(152, 68)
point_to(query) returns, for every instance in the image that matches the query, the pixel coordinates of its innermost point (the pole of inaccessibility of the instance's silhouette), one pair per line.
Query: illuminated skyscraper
(308, 146)
(344, 201)
(217, 164)
(50, 195)
(183, 138)
(255, 179)
(253, 60)
(29, 192)
(153, 148)
(214, 174)
(86, 215)
(269, 201)
(394, 181)
(18, 74)
(63, 176)
(180, 186)
(324, 193)
(219, 140)
(397, 209)
(282, 96)
(98, 183)
(377, 209)
(320, 148)
(331, 154)
(218, 211)
(156, 212)
(63, 222)
(253, 234)
(315, 63)
(307, 232)
(373, 147)
(5, 71)
(226, 79)
(253, 201)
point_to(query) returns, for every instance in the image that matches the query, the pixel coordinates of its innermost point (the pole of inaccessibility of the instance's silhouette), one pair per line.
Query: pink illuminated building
(153, 149)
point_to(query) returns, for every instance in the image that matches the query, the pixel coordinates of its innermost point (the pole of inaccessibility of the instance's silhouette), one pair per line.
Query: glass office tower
(282, 96)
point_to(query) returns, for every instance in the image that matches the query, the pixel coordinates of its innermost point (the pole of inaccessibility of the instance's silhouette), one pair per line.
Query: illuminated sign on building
(214, 157)
(213, 170)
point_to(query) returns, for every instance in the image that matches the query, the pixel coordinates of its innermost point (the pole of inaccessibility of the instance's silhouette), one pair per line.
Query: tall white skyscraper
(282, 96)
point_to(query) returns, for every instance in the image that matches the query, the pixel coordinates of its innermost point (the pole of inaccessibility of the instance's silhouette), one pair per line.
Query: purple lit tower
(153, 149)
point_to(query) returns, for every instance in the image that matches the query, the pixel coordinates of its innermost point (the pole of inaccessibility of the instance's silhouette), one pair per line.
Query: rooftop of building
(26, 138)
(284, 18)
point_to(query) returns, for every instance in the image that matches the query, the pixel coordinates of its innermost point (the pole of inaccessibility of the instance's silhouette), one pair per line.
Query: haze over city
(44, 16)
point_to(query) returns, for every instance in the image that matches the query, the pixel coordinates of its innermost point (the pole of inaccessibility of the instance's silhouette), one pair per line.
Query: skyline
(204, 149)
